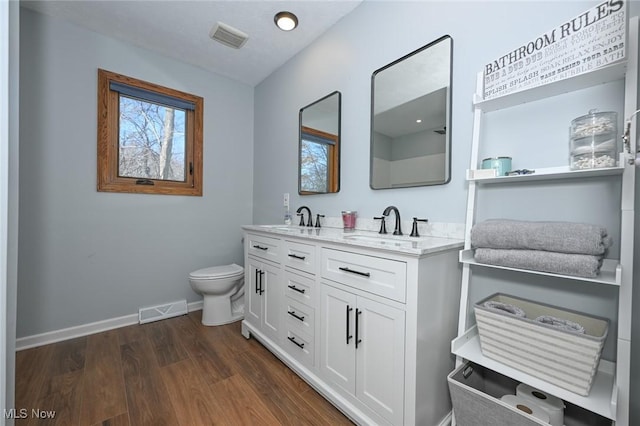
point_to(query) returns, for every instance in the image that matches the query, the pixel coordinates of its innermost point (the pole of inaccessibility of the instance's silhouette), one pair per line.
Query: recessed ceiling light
(418, 121)
(286, 21)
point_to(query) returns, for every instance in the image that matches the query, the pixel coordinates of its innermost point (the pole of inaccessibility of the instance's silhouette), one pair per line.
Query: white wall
(378, 32)
(9, 52)
(85, 255)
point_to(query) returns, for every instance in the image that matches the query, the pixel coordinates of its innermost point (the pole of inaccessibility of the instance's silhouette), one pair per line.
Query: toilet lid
(214, 272)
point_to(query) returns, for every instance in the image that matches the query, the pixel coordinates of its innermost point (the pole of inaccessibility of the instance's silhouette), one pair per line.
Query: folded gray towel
(560, 324)
(580, 265)
(504, 308)
(561, 237)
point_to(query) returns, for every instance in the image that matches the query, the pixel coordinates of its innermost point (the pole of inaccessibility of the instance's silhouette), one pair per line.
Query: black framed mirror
(319, 146)
(411, 119)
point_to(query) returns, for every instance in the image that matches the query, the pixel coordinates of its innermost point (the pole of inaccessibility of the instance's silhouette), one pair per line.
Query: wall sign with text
(591, 40)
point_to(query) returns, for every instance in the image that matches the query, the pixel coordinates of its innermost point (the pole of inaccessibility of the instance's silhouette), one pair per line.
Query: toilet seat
(217, 272)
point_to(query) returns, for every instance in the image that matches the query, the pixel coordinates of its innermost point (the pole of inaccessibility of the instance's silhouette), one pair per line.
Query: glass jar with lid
(593, 140)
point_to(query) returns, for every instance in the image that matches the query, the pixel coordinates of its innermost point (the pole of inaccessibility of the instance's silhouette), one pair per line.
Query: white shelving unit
(609, 396)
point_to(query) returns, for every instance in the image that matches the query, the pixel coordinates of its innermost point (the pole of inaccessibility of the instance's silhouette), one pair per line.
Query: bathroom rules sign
(591, 40)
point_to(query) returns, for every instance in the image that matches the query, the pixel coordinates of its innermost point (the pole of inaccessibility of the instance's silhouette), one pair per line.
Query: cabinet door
(272, 299)
(253, 299)
(338, 355)
(380, 359)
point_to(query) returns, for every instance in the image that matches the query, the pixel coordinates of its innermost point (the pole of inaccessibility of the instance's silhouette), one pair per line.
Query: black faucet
(299, 211)
(414, 230)
(383, 227)
(318, 216)
(398, 228)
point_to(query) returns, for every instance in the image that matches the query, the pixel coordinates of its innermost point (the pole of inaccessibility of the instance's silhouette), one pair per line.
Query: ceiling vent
(228, 35)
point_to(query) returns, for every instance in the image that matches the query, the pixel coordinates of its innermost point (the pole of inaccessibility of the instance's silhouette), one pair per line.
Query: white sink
(398, 241)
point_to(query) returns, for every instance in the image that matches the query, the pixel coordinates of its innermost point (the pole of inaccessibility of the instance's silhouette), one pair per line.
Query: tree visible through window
(150, 137)
(318, 161)
(151, 140)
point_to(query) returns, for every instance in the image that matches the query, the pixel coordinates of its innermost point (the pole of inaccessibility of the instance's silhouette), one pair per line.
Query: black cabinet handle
(345, 269)
(257, 280)
(358, 312)
(260, 247)
(261, 286)
(295, 256)
(293, 314)
(293, 340)
(294, 288)
(349, 336)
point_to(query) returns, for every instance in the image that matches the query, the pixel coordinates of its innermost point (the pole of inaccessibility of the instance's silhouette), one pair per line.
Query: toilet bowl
(222, 288)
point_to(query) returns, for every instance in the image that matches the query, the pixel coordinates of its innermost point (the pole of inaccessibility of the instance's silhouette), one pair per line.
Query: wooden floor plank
(104, 395)
(147, 397)
(31, 370)
(61, 396)
(190, 396)
(68, 356)
(279, 399)
(216, 362)
(166, 344)
(240, 404)
(121, 420)
(173, 372)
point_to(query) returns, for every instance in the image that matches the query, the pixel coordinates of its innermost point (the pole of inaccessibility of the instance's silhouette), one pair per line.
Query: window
(318, 161)
(149, 137)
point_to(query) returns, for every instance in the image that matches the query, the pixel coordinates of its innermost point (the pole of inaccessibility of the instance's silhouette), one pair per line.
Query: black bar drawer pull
(294, 288)
(260, 247)
(345, 269)
(293, 340)
(349, 336)
(358, 340)
(295, 256)
(293, 314)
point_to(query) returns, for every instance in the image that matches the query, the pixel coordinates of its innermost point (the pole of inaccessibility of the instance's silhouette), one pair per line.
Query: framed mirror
(319, 146)
(411, 119)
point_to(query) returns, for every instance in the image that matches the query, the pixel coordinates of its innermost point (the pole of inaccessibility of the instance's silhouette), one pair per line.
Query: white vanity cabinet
(263, 297)
(363, 350)
(367, 324)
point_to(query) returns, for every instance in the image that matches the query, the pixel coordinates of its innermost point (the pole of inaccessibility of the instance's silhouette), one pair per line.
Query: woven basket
(565, 359)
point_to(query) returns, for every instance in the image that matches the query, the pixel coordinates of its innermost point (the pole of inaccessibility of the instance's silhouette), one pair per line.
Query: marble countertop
(416, 246)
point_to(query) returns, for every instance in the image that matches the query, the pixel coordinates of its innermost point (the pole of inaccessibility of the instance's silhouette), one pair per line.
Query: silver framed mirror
(319, 146)
(411, 119)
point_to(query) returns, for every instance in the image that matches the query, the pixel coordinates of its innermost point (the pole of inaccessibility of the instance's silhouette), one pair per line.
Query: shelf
(601, 399)
(549, 173)
(610, 273)
(600, 76)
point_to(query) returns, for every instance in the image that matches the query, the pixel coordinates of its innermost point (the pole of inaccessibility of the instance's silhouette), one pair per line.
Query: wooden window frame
(332, 164)
(108, 141)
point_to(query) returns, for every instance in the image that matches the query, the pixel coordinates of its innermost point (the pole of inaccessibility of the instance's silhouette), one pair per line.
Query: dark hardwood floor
(170, 372)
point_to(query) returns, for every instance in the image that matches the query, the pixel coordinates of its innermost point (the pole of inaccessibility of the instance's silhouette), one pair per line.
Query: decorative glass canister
(593, 140)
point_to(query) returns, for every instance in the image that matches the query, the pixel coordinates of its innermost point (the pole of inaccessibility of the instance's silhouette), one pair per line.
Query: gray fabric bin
(476, 392)
(476, 399)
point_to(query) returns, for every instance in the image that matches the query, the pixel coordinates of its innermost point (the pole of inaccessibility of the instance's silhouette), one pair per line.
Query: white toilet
(223, 290)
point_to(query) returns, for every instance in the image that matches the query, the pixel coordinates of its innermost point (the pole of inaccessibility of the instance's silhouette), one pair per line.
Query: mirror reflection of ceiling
(401, 120)
(322, 116)
(391, 87)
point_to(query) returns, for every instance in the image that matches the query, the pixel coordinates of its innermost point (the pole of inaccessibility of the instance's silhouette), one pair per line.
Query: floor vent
(160, 312)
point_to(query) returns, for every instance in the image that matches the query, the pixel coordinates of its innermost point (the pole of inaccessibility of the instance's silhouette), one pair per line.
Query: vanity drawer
(263, 247)
(300, 346)
(299, 317)
(299, 287)
(300, 256)
(376, 275)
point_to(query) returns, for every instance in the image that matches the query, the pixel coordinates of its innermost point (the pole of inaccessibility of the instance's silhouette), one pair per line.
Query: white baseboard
(85, 329)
